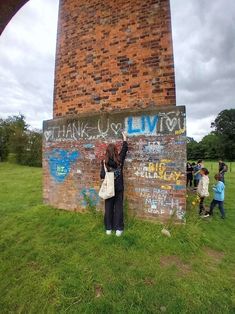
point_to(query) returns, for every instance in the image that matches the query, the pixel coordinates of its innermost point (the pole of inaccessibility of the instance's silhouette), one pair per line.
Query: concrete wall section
(73, 148)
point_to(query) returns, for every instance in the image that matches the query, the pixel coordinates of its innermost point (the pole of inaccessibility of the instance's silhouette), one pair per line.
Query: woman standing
(114, 161)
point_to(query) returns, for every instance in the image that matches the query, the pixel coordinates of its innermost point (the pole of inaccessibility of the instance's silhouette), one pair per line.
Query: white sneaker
(119, 233)
(108, 232)
(206, 215)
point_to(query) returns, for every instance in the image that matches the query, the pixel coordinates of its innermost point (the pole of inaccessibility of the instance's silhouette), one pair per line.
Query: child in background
(218, 197)
(202, 189)
(197, 174)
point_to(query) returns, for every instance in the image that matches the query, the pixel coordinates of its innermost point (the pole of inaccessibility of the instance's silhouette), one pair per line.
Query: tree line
(18, 143)
(220, 143)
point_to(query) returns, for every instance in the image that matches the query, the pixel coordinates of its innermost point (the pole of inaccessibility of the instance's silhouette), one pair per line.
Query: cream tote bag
(107, 186)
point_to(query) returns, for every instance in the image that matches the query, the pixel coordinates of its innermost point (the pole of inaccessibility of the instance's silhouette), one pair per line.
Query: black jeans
(113, 217)
(189, 180)
(201, 205)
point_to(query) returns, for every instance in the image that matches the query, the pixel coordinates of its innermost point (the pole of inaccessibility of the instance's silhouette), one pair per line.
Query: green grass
(53, 261)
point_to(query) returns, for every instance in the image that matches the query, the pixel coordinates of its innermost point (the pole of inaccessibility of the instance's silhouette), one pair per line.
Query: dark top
(118, 170)
(189, 169)
(222, 167)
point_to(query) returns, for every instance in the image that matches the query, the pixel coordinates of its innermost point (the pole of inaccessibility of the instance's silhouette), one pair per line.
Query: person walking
(114, 161)
(218, 197)
(202, 189)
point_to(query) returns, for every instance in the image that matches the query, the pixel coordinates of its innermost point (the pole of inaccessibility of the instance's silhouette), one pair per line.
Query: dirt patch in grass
(98, 291)
(217, 256)
(173, 260)
(149, 281)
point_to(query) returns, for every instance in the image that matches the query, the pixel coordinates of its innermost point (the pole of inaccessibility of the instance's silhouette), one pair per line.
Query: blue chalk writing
(152, 124)
(131, 130)
(60, 163)
(142, 125)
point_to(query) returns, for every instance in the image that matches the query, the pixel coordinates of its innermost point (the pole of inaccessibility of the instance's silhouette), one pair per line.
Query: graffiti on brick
(157, 170)
(153, 147)
(144, 125)
(160, 202)
(154, 167)
(60, 161)
(89, 196)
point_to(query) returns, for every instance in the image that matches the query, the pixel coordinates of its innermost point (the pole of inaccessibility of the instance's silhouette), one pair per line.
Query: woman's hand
(124, 135)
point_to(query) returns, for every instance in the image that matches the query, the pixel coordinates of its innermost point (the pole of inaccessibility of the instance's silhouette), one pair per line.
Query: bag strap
(105, 169)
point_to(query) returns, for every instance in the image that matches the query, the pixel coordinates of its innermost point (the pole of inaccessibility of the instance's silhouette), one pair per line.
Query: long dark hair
(206, 172)
(112, 153)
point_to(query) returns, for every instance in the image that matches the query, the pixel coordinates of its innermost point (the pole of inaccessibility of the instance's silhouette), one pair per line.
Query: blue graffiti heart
(60, 163)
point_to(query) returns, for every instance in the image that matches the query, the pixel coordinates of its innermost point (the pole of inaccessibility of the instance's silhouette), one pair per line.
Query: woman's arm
(124, 148)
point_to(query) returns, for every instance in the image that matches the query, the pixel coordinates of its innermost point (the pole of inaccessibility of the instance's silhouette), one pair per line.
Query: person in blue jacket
(218, 197)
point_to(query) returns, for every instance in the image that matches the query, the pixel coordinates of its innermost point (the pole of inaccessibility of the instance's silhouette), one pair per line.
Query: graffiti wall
(74, 147)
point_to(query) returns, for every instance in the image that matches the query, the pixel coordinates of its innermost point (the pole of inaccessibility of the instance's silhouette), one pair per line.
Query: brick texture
(115, 70)
(73, 148)
(113, 54)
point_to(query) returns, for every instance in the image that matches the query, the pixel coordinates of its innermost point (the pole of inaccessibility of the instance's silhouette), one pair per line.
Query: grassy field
(52, 261)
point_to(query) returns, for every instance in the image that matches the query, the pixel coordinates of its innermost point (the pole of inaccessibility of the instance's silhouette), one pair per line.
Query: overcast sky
(204, 52)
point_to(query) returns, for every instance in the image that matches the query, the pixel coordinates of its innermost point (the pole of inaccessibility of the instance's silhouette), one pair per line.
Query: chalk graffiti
(144, 125)
(60, 163)
(179, 187)
(89, 146)
(116, 127)
(157, 170)
(90, 197)
(154, 167)
(153, 147)
(100, 132)
(149, 125)
(180, 213)
(158, 201)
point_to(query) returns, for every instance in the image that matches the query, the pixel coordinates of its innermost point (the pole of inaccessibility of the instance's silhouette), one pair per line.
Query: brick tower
(113, 54)
(114, 71)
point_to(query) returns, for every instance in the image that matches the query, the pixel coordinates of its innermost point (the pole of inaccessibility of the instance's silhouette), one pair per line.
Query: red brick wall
(113, 54)
(73, 148)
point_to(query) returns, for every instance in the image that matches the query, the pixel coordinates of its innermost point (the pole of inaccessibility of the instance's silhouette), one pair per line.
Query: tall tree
(224, 126)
